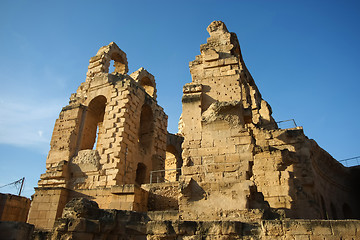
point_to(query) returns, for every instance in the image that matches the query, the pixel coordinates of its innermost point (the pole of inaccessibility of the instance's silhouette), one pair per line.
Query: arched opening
(140, 173)
(92, 129)
(112, 66)
(347, 211)
(117, 64)
(146, 129)
(171, 164)
(147, 84)
(333, 211)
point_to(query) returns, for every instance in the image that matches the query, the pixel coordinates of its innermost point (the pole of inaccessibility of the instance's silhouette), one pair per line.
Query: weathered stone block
(321, 227)
(231, 228)
(344, 228)
(273, 228)
(160, 228)
(185, 227)
(297, 227)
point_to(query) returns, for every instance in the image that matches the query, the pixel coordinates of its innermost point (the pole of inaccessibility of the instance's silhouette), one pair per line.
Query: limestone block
(273, 228)
(221, 142)
(185, 227)
(345, 228)
(192, 88)
(205, 160)
(210, 55)
(220, 158)
(160, 228)
(321, 227)
(86, 161)
(299, 227)
(189, 170)
(212, 228)
(208, 151)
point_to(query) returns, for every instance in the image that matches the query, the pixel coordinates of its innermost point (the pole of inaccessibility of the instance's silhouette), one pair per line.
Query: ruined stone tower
(234, 152)
(230, 163)
(105, 142)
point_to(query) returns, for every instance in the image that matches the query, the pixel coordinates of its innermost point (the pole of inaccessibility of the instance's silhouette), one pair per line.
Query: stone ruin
(230, 172)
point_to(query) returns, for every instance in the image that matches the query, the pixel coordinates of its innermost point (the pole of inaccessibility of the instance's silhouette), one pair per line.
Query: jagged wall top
(220, 73)
(217, 27)
(100, 63)
(146, 80)
(221, 44)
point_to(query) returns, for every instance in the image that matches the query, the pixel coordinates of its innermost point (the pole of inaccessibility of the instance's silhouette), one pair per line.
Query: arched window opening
(347, 211)
(333, 211)
(146, 129)
(117, 64)
(112, 66)
(92, 130)
(98, 128)
(140, 173)
(146, 83)
(171, 164)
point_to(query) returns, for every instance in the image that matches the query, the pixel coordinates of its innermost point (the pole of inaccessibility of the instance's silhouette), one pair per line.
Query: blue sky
(303, 55)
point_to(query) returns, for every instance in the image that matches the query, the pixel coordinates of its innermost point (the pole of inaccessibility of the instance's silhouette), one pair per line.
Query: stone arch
(140, 173)
(146, 80)
(119, 63)
(148, 85)
(100, 63)
(146, 129)
(92, 125)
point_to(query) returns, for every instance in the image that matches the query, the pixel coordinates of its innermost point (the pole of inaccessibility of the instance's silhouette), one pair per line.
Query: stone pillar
(47, 206)
(51, 195)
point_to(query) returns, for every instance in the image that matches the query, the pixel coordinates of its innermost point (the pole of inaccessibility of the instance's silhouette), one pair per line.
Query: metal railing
(351, 162)
(290, 123)
(167, 175)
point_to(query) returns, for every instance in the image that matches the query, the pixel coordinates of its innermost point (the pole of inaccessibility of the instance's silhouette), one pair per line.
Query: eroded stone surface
(14, 208)
(112, 133)
(236, 154)
(84, 220)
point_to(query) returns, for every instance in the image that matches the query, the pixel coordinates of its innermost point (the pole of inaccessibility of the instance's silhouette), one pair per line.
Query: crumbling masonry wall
(236, 158)
(14, 208)
(234, 172)
(83, 220)
(111, 134)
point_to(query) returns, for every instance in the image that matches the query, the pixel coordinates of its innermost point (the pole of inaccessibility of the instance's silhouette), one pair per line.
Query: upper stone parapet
(222, 73)
(222, 49)
(221, 41)
(145, 80)
(100, 63)
(216, 27)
